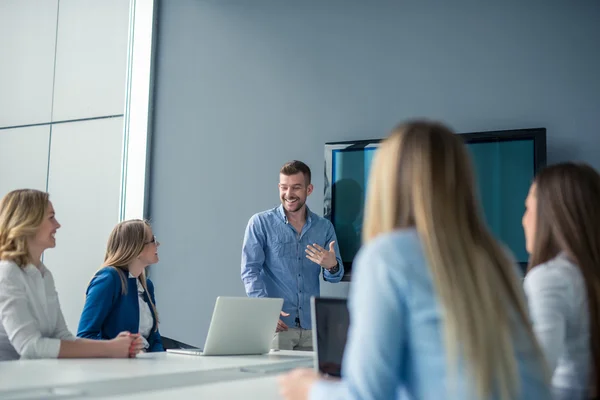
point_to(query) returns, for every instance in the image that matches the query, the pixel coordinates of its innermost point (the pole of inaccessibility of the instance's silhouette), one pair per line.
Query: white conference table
(148, 375)
(263, 388)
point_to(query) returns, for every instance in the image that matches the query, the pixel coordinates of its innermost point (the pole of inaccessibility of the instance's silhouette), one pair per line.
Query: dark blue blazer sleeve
(154, 340)
(101, 294)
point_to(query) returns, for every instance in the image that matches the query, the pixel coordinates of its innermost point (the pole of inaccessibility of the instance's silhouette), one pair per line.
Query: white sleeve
(62, 332)
(20, 325)
(548, 307)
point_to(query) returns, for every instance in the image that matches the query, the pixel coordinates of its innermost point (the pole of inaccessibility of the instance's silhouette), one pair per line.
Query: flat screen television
(505, 164)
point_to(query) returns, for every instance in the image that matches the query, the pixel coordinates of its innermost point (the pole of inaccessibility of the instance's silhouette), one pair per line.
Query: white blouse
(31, 322)
(146, 320)
(557, 299)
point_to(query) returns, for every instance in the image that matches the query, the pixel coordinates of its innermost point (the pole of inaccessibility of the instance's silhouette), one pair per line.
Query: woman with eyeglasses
(120, 297)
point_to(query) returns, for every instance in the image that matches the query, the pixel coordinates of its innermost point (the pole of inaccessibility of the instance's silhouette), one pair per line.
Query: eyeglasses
(153, 240)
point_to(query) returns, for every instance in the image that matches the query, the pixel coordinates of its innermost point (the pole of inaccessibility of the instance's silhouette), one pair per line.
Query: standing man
(283, 253)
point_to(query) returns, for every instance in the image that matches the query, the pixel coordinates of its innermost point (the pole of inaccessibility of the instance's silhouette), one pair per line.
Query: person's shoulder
(558, 273)
(9, 270)
(263, 218)
(395, 257)
(263, 215)
(7, 265)
(108, 271)
(317, 219)
(396, 242)
(107, 274)
(397, 249)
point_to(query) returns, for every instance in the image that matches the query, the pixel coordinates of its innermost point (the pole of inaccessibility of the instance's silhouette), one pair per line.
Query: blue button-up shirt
(274, 262)
(395, 347)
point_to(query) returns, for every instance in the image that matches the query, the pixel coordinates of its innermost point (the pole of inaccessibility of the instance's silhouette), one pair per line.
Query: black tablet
(330, 322)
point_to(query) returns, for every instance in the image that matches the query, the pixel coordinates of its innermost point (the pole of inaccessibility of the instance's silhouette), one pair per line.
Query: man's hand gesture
(318, 255)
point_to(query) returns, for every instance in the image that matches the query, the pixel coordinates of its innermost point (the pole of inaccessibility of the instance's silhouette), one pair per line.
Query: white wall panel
(27, 41)
(84, 185)
(91, 58)
(24, 159)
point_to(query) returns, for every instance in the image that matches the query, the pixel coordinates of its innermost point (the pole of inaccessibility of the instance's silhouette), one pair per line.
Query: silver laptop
(330, 323)
(239, 326)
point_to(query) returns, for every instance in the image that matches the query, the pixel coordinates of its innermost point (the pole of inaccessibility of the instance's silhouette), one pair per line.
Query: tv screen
(505, 163)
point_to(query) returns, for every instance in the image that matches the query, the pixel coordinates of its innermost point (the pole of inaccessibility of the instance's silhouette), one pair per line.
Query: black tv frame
(539, 161)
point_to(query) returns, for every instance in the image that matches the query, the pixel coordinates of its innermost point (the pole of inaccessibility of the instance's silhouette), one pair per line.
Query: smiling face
(293, 191)
(149, 254)
(45, 235)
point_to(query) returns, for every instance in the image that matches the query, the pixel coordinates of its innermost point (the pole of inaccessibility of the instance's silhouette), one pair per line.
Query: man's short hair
(295, 167)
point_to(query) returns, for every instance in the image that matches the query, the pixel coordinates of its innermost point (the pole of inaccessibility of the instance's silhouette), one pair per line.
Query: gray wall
(243, 86)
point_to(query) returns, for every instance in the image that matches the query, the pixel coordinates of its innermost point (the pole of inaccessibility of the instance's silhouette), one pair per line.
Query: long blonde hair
(422, 177)
(125, 243)
(21, 214)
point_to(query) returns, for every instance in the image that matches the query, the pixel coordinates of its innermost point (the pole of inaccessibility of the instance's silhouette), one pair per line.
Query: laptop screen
(330, 328)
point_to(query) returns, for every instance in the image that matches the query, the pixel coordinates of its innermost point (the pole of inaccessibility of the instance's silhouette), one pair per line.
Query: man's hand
(280, 325)
(319, 255)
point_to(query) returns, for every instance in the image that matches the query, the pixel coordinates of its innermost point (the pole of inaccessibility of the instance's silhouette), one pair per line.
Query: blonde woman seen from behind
(31, 322)
(436, 308)
(562, 231)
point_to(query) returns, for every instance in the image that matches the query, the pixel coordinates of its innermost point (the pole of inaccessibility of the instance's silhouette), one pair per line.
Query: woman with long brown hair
(32, 324)
(436, 306)
(120, 297)
(562, 230)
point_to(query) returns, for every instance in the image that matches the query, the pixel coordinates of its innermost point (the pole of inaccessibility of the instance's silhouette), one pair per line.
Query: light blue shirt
(274, 262)
(395, 347)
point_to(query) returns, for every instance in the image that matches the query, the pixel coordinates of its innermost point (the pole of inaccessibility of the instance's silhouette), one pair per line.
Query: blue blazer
(107, 311)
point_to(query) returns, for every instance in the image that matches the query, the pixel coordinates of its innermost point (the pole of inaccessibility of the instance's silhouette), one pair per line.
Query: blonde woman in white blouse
(31, 322)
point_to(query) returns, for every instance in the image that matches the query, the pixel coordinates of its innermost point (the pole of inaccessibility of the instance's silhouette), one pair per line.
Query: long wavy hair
(21, 214)
(568, 220)
(422, 178)
(125, 243)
